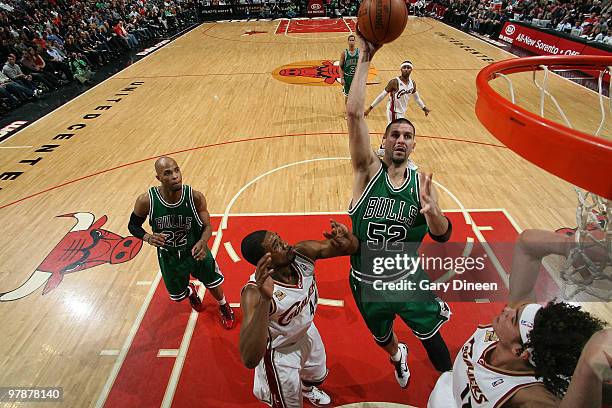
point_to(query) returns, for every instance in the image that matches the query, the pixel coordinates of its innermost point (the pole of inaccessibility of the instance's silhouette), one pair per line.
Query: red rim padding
(579, 158)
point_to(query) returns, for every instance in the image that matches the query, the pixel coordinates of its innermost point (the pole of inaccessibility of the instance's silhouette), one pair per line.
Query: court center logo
(315, 73)
(510, 28)
(85, 246)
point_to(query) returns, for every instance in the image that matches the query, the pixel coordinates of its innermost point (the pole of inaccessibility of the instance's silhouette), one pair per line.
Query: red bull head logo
(314, 73)
(86, 245)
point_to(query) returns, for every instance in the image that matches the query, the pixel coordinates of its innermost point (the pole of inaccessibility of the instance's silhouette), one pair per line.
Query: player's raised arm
(255, 302)
(364, 160)
(531, 246)
(339, 242)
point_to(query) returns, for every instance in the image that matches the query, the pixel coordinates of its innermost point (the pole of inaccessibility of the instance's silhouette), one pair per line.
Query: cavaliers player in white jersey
(399, 90)
(528, 356)
(278, 337)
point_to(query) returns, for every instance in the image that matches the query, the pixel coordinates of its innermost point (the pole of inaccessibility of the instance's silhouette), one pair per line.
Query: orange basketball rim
(579, 158)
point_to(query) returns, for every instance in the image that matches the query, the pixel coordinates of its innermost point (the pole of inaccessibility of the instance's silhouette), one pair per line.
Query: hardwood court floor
(209, 100)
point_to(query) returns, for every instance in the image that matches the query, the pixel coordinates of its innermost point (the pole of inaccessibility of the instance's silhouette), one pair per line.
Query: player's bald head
(163, 163)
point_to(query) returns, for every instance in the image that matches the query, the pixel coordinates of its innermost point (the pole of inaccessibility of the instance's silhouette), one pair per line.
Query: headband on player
(526, 324)
(406, 64)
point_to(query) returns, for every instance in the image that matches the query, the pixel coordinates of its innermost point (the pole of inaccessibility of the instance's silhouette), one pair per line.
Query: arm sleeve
(379, 98)
(135, 226)
(444, 237)
(418, 100)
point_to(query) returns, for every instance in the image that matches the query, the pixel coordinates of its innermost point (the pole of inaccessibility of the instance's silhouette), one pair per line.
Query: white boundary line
(512, 221)
(231, 252)
(127, 344)
(280, 21)
(167, 353)
(347, 26)
(331, 302)
(13, 127)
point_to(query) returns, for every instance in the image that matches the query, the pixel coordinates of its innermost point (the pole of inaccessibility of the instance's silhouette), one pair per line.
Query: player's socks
(397, 356)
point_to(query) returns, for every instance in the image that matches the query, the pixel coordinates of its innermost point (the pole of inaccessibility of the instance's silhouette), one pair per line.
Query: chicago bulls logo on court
(315, 73)
(86, 245)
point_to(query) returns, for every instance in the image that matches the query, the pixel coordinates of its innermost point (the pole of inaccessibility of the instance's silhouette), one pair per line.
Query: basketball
(382, 21)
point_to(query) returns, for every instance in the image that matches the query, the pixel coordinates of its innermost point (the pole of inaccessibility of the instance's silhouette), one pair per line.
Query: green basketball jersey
(350, 63)
(179, 222)
(385, 216)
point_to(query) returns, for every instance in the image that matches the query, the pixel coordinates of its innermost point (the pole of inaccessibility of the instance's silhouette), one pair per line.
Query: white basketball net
(588, 268)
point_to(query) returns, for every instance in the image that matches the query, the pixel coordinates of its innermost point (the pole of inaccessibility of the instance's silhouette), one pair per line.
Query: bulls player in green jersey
(348, 64)
(392, 204)
(181, 228)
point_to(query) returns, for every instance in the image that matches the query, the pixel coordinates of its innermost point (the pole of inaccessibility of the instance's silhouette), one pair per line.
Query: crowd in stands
(48, 44)
(271, 9)
(589, 19)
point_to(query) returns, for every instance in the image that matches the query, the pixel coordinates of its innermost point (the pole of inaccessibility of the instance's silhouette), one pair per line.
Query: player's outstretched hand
(157, 240)
(263, 278)
(339, 236)
(199, 250)
(426, 110)
(428, 196)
